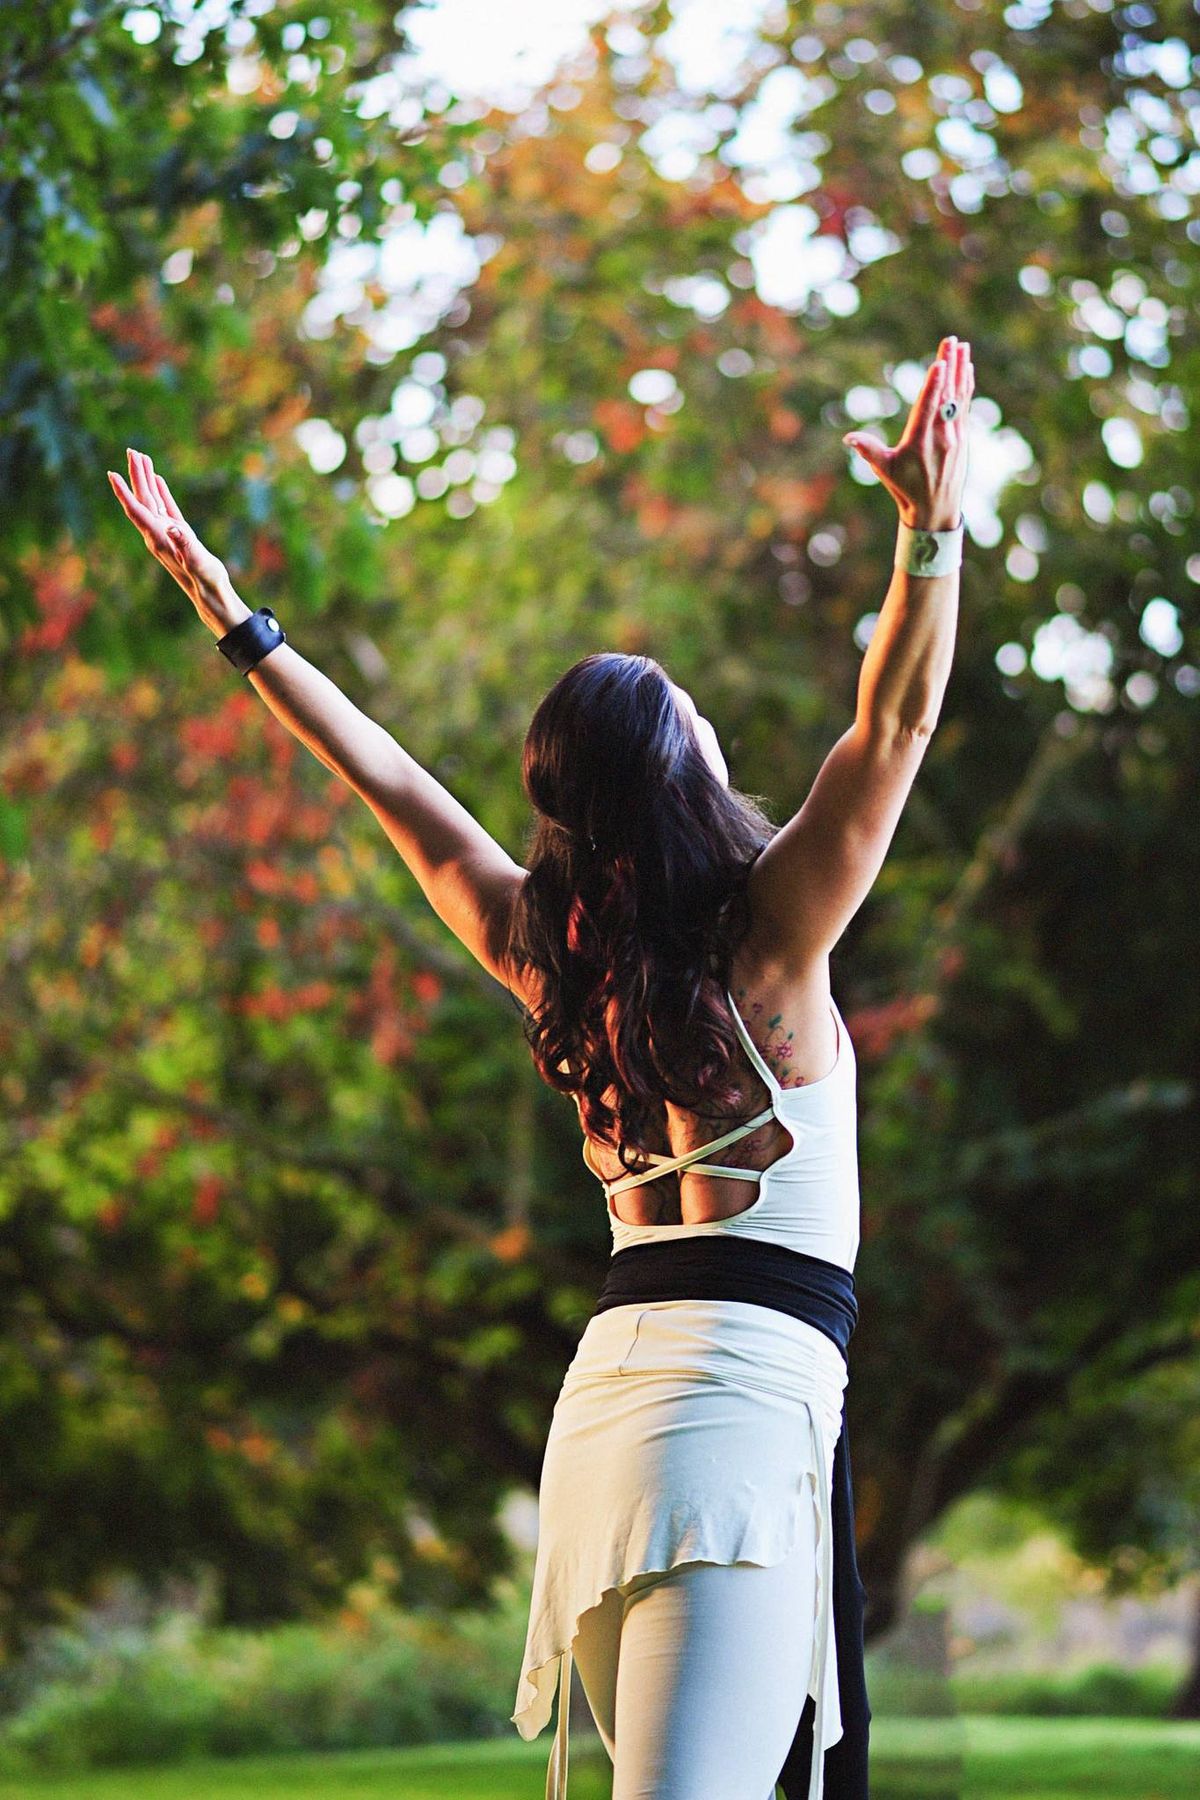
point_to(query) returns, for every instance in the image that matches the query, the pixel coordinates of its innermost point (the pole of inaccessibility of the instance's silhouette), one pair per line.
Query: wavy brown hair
(635, 900)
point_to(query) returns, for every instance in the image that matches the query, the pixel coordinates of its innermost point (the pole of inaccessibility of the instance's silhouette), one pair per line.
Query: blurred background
(474, 339)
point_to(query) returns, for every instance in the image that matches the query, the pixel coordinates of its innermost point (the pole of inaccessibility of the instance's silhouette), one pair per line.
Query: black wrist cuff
(247, 644)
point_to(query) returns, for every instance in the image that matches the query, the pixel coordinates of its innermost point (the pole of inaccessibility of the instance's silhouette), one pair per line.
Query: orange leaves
(654, 515)
(689, 529)
(427, 986)
(95, 941)
(76, 682)
(697, 529)
(258, 1447)
(282, 419)
(268, 933)
(166, 1138)
(951, 961)
(110, 804)
(796, 503)
(28, 771)
(839, 201)
(138, 329)
(391, 1039)
(211, 932)
(141, 698)
(219, 734)
(875, 1028)
(272, 879)
(784, 424)
(63, 600)
(275, 1002)
(265, 877)
(511, 1244)
(248, 814)
(206, 1200)
(378, 1009)
(310, 822)
(759, 323)
(663, 356)
(266, 557)
(620, 423)
(335, 877)
(528, 179)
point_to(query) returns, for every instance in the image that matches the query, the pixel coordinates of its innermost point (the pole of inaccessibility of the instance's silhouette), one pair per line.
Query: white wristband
(921, 552)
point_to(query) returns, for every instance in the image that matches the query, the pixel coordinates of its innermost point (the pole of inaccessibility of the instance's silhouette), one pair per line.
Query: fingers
(872, 449)
(962, 377)
(957, 384)
(136, 479)
(129, 500)
(141, 471)
(933, 391)
(152, 508)
(152, 525)
(168, 498)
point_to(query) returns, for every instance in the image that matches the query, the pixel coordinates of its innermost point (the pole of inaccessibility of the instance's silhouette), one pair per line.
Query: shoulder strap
(751, 1048)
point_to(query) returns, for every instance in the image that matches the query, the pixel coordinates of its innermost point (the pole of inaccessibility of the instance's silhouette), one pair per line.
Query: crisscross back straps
(664, 1165)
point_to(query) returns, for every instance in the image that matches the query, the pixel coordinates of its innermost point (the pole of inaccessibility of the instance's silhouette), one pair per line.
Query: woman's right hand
(171, 541)
(926, 470)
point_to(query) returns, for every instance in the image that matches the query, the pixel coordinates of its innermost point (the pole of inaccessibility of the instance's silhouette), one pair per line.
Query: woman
(670, 949)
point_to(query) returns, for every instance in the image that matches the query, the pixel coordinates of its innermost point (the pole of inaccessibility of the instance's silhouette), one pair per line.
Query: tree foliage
(164, 173)
(294, 1246)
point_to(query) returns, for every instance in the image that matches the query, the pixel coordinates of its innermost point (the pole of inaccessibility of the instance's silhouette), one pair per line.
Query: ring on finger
(949, 409)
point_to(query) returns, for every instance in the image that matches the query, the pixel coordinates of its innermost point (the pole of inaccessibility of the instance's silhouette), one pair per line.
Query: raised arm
(467, 877)
(819, 868)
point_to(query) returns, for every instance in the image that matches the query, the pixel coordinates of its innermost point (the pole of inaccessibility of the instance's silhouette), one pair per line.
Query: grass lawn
(968, 1758)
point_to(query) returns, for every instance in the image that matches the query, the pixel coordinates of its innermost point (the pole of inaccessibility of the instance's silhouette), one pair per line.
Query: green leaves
(250, 1170)
(118, 152)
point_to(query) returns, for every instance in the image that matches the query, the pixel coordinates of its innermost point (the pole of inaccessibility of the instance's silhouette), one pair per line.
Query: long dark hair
(635, 900)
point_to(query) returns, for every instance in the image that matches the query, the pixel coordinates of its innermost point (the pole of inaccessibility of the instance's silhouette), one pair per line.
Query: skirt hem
(529, 1679)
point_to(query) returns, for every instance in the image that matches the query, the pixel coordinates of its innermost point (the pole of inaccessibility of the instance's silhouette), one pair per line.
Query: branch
(1052, 754)
(958, 1454)
(1141, 1095)
(38, 65)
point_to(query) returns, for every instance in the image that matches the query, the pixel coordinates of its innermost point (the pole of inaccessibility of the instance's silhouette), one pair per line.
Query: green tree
(389, 1281)
(159, 171)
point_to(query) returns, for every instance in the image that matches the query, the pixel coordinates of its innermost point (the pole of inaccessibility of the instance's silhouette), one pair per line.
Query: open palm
(926, 470)
(149, 503)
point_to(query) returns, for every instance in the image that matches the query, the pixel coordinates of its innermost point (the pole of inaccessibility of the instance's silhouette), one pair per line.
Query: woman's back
(796, 1179)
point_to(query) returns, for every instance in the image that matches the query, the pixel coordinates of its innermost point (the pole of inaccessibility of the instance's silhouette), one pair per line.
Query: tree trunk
(1186, 1704)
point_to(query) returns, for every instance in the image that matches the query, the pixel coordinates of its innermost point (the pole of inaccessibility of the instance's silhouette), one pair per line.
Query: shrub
(164, 1694)
(1099, 1690)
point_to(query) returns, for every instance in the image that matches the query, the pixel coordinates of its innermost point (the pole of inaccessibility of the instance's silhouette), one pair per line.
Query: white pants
(696, 1677)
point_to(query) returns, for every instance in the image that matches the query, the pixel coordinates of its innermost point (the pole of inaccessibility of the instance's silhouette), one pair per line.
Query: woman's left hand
(172, 542)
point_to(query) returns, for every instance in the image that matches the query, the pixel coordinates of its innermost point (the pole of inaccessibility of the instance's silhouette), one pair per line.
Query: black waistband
(724, 1266)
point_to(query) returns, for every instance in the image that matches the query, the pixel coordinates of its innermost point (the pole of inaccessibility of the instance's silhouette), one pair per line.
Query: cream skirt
(684, 1430)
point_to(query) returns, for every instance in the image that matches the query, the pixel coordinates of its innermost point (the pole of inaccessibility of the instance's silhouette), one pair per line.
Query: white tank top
(808, 1199)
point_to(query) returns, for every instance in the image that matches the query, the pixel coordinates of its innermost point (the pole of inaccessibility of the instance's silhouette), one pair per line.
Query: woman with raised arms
(669, 948)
